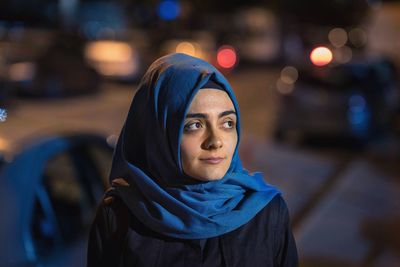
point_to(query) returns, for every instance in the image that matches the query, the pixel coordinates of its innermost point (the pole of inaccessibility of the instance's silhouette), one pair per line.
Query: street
(332, 193)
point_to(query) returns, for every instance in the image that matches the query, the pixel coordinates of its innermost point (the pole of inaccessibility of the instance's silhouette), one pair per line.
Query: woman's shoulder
(264, 235)
(276, 205)
(275, 214)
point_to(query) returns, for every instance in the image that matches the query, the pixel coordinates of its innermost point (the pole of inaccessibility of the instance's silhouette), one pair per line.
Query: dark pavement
(334, 196)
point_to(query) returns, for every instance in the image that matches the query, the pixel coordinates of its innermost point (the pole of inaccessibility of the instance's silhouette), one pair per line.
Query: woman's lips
(213, 160)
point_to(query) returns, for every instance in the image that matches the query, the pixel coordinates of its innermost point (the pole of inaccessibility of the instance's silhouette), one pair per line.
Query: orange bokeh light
(321, 56)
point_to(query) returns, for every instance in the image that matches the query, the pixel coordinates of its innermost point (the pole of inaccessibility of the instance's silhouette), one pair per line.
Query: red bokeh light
(226, 57)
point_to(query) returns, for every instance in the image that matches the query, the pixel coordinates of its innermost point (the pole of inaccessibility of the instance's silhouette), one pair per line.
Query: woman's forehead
(210, 99)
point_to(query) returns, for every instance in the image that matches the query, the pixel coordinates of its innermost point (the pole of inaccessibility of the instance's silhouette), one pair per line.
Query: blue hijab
(147, 174)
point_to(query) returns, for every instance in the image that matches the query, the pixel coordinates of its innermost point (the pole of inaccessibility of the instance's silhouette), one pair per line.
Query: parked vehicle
(48, 195)
(355, 102)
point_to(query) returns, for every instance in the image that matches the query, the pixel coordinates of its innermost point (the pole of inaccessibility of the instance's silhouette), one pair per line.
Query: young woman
(180, 196)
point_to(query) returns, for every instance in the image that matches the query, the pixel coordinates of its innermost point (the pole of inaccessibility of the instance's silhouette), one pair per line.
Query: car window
(95, 171)
(73, 183)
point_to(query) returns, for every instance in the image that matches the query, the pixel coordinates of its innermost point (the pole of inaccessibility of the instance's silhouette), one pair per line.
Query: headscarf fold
(147, 174)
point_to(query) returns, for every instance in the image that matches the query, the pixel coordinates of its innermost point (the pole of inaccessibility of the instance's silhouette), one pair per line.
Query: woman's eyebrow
(196, 115)
(204, 116)
(225, 113)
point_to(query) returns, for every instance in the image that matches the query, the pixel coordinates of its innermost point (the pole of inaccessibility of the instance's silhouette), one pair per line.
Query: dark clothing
(117, 238)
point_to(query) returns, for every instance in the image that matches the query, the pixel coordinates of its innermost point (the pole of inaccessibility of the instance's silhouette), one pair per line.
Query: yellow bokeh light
(321, 56)
(186, 48)
(108, 51)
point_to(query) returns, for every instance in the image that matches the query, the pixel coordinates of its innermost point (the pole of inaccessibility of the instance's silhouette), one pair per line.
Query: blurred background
(317, 82)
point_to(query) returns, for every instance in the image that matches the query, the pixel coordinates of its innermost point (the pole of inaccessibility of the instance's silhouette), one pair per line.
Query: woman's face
(209, 137)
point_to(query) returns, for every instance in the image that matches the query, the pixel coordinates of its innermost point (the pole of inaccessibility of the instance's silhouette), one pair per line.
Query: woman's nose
(213, 141)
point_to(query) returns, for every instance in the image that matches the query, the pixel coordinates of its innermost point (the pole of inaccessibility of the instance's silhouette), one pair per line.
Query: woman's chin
(210, 176)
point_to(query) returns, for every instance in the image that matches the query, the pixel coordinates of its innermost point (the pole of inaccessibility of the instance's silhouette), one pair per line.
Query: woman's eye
(229, 124)
(192, 126)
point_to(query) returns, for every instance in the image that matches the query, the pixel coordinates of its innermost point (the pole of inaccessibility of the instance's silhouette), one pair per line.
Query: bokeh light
(342, 55)
(227, 57)
(186, 48)
(289, 75)
(169, 10)
(112, 58)
(321, 56)
(3, 115)
(358, 114)
(4, 144)
(284, 88)
(358, 37)
(108, 51)
(23, 71)
(338, 37)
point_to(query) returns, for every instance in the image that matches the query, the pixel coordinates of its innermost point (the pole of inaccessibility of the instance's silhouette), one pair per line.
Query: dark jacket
(117, 238)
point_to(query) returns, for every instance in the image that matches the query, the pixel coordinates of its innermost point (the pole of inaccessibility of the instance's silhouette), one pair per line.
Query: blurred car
(45, 63)
(49, 191)
(60, 71)
(352, 102)
(55, 156)
(19, 48)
